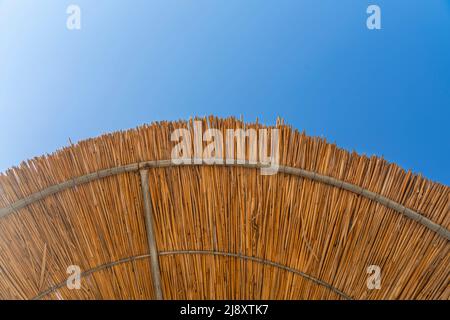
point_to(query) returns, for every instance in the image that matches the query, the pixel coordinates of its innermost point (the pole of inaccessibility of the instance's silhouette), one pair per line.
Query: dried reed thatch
(141, 228)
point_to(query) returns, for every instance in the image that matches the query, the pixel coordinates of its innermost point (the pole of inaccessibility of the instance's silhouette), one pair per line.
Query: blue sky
(312, 62)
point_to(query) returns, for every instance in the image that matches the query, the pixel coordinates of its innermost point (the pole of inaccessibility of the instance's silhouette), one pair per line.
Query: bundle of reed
(220, 231)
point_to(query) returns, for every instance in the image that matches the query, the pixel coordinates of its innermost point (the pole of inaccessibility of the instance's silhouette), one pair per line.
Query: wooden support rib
(90, 272)
(202, 252)
(154, 260)
(262, 261)
(411, 214)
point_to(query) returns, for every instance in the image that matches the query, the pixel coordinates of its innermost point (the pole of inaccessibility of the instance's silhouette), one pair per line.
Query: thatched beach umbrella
(138, 225)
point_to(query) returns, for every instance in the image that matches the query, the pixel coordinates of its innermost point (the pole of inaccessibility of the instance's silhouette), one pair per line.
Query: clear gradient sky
(312, 62)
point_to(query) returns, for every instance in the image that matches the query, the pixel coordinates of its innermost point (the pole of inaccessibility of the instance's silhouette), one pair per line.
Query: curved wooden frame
(135, 167)
(200, 252)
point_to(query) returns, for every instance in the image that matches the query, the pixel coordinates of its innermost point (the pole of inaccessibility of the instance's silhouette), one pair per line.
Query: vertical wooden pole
(154, 261)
